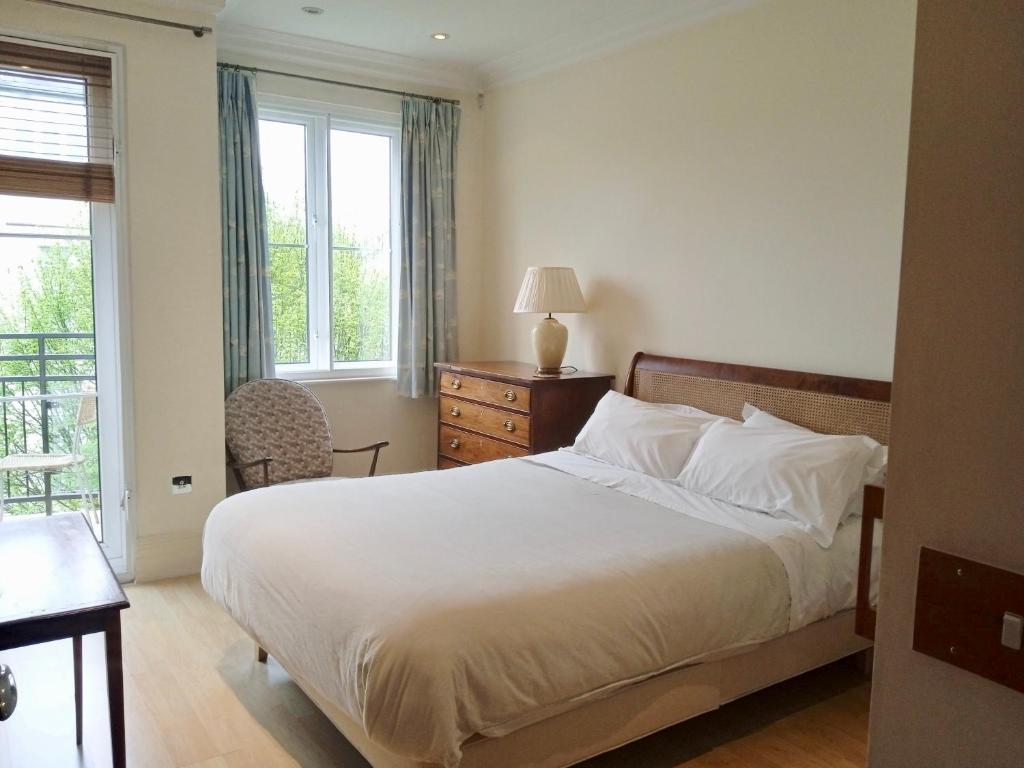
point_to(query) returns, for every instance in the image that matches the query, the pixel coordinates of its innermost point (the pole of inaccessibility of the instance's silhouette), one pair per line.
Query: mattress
(435, 606)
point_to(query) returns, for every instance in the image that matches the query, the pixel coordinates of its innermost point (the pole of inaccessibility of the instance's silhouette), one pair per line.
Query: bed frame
(829, 404)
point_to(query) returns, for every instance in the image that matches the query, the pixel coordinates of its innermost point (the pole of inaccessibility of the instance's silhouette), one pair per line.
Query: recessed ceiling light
(440, 35)
(312, 10)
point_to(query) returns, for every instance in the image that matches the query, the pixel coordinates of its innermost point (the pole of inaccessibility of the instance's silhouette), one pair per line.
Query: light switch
(1013, 629)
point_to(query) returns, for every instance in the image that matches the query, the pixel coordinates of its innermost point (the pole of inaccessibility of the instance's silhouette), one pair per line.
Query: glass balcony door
(61, 431)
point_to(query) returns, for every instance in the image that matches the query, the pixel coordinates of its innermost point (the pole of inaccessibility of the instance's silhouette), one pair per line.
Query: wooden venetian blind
(56, 124)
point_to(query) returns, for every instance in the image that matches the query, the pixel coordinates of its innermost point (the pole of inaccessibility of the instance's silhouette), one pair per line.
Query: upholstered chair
(277, 432)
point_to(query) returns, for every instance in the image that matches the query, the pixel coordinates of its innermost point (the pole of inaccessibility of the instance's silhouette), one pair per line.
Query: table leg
(76, 650)
(115, 690)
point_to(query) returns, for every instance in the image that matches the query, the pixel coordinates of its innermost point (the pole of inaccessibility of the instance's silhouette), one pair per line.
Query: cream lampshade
(550, 289)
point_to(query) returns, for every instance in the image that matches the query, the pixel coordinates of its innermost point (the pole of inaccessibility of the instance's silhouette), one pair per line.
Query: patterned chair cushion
(281, 420)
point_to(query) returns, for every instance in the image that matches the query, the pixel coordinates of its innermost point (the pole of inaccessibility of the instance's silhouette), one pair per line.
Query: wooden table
(55, 583)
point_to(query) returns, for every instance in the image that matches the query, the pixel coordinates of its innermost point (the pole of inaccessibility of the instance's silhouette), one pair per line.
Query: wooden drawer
(464, 446)
(493, 392)
(446, 463)
(479, 418)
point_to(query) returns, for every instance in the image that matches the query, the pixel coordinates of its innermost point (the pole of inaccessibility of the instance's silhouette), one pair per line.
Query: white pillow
(791, 474)
(878, 465)
(641, 436)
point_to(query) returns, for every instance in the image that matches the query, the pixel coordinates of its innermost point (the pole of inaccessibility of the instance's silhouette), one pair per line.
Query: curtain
(248, 333)
(427, 326)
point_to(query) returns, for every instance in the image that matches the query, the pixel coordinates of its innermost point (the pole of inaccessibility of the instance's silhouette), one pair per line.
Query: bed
(542, 610)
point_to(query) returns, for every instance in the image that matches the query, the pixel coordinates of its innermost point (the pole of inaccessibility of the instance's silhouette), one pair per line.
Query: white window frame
(319, 119)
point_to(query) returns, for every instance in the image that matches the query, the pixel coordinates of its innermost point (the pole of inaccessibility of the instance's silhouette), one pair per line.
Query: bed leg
(864, 661)
(261, 655)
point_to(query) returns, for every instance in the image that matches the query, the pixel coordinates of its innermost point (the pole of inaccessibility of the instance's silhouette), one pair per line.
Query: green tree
(360, 288)
(288, 285)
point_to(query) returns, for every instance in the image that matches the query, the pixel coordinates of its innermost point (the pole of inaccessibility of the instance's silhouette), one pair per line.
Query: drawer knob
(453, 443)
(510, 395)
(456, 384)
(455, 411)
(510, 425)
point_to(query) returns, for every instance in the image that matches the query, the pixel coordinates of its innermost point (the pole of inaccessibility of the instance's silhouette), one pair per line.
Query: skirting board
(166, 555)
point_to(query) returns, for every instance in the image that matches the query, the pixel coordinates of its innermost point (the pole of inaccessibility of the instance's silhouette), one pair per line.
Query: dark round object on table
(8, 692)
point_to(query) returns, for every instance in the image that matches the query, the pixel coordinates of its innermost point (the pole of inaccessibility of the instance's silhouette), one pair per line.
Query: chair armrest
(375, 447)
(238, 466)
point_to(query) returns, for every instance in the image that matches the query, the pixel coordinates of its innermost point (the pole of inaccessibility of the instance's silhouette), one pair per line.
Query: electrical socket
(181, 484)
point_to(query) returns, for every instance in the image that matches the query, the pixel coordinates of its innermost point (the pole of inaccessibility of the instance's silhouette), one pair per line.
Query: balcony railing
(43, 378)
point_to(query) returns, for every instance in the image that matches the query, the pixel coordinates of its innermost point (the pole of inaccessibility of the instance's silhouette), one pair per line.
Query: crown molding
(211, 7)
(350, 60)
(609, 34)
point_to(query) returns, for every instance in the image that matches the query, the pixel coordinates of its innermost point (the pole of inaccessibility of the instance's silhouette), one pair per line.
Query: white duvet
(434, 606)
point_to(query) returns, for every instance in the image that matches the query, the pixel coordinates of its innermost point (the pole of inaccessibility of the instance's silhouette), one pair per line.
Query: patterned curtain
(248, 332)
(427, 328)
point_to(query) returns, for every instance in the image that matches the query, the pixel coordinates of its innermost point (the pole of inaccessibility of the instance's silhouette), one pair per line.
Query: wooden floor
(195, 697)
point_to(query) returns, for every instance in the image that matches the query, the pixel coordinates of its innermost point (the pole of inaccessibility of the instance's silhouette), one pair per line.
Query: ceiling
(490, 40)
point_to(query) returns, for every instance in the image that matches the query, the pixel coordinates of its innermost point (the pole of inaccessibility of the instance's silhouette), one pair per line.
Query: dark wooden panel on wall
(959, 615)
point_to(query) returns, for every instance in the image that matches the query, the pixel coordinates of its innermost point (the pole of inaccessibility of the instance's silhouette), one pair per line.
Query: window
(331, 185)
(61, 372)
(56, 123)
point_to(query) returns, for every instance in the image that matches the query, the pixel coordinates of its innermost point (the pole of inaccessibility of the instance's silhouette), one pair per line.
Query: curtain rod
(335, 82)
(195, 30)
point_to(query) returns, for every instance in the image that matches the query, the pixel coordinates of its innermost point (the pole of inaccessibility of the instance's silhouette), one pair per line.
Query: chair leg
(89, 511)
(261, 655)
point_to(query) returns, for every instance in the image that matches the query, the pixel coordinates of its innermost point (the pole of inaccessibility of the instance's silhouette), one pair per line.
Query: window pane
(361, 315)
(43, 116)
(360, 190)
(43, 216)
(289, 286)
(47, 347)
(283, 162)
(361, 240)
(45, 285)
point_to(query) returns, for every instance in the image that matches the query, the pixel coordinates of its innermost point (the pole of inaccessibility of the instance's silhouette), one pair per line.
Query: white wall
(172, 205)
(731, 191)
(367, 410)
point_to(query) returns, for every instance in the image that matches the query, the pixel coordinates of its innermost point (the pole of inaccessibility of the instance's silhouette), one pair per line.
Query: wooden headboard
(830, 404)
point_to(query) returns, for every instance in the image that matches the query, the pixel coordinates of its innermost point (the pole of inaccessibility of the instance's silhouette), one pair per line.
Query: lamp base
(550, 338)
(547, 373)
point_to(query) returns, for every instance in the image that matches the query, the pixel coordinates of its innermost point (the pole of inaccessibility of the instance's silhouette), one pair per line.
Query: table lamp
(550, 289)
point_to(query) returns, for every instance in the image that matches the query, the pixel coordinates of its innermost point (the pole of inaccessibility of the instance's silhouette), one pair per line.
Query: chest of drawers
(499, 410)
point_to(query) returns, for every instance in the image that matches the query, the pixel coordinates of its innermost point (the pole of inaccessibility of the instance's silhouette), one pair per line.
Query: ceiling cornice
(211, 7)
(605, 36)
(342, 59)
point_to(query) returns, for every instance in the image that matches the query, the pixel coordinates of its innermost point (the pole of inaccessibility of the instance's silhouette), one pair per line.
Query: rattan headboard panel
(814, 401)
